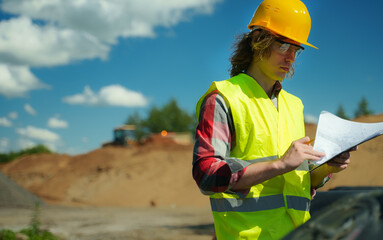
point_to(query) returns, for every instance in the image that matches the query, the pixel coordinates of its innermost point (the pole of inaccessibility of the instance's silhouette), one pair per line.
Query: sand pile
(157, 173)
(12, 194)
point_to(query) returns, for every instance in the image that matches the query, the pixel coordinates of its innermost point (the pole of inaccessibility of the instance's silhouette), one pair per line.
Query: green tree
(363, 109)
(156, 121)
(7, 157)
(170, 117)
(136, 120)
(177, 120)
(40, 148)
(341, 113)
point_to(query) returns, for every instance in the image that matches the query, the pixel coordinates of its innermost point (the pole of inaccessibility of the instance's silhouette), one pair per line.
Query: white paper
(335, 135)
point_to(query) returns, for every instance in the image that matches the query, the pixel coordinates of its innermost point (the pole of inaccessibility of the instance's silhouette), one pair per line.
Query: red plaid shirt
(214, 136)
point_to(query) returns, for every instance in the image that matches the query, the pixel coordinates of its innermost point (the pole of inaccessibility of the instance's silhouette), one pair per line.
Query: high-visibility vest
(262, 133)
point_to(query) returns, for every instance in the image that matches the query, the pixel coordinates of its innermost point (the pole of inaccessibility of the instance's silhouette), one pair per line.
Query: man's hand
(340, 162)
(299, 151)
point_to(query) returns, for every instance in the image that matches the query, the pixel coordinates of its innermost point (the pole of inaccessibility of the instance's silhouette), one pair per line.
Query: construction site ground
(115, 223)
(138, 192)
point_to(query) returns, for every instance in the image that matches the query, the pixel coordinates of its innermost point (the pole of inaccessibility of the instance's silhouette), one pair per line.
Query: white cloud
(4, 122)
(17, 81)
(29, 109)
(55, 122)
(311, 119)
(13, 115)
(38, 133)
(74, 30)
(27, 44)
(113, 95)
(109, 19)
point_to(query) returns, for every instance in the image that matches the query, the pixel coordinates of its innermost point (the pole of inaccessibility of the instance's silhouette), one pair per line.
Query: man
(250, 152)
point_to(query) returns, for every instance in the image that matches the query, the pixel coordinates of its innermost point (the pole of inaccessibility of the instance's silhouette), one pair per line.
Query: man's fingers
(309, 150)
(354, 148)
(304, 140)
(340, 160)
(342, 165)
(314, 155)
(344, 155)
(317, 154)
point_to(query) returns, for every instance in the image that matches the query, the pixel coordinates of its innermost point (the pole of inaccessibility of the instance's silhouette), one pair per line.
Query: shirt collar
(276, 89)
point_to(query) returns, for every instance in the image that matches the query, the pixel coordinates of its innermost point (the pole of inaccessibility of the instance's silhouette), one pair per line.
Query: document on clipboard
(335, 135)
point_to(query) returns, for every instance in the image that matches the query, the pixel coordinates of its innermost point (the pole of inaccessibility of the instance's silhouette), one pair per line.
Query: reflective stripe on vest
(259, 204)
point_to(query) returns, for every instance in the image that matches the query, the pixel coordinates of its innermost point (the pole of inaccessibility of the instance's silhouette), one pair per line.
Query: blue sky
(71, 70)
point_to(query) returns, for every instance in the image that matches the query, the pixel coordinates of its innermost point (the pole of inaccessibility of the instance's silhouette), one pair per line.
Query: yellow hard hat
(289, 18)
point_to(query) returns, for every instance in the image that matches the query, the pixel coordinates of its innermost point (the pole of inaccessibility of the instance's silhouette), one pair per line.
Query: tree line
(362, 110)
(7, 157)
(170, 117)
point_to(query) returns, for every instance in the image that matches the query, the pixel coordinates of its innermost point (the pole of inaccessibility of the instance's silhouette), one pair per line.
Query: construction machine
(123, 135)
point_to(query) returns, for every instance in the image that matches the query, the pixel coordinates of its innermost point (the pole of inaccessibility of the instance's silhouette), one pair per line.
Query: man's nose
(290, 55)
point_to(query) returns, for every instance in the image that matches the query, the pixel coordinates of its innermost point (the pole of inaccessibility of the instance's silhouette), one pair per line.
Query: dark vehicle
(122, 136)
(344, 213)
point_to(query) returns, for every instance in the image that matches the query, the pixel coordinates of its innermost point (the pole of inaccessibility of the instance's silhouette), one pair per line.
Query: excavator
(122, 136)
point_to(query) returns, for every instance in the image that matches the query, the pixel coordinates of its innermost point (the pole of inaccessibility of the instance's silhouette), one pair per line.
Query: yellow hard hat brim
(297, 40)
(252, 27)
(308, 44)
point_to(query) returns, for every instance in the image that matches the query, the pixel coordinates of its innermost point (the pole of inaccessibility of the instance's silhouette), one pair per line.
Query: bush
(6, 234)
(33, 232)
(38, 235)
(33, 150)
(29, 233)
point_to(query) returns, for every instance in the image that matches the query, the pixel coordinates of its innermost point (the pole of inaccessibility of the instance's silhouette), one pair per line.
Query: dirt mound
(155, 174)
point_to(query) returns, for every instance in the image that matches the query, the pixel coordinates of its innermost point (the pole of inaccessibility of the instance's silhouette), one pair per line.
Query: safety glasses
(284, 47)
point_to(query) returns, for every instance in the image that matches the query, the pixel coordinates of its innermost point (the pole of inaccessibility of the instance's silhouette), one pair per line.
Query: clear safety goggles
(284, 47)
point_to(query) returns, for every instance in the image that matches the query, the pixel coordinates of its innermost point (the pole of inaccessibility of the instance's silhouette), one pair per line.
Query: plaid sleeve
(213, 169)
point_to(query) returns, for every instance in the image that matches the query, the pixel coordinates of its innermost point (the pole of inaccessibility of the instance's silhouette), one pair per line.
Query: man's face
(283, 53)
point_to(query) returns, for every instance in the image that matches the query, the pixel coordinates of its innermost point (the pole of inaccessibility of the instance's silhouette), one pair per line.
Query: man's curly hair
(249, 47)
